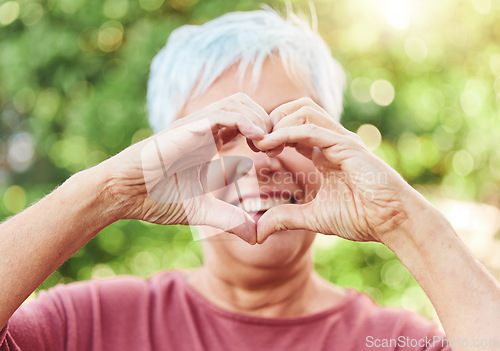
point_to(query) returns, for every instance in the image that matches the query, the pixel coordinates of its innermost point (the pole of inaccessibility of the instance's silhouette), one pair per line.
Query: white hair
(195, 56)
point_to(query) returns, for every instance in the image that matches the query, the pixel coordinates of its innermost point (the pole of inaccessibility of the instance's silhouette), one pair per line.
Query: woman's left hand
(361, 198)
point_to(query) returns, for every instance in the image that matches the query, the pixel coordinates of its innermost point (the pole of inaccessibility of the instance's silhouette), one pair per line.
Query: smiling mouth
(261, 204)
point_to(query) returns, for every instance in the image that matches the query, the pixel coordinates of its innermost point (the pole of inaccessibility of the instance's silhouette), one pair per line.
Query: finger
(238, 103)
(283, 217)
(304, 110)
(245, 100)
(308, 115)
(252, 146)
(308, 134)
(229, 218)
(290, 107)
(239, 121)
(276, 151)
(251, 114)
(241, 103)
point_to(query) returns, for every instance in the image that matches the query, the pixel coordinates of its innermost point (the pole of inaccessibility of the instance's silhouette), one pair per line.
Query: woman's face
(282, 179)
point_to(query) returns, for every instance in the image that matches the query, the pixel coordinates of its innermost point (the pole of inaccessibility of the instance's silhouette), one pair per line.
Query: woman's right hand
(162, 179)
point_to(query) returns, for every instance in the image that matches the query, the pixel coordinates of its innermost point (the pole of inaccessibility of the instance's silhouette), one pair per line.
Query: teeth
(258, 204)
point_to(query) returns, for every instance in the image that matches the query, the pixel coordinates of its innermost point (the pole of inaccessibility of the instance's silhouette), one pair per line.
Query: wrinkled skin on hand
(360, 197)
(163, 178)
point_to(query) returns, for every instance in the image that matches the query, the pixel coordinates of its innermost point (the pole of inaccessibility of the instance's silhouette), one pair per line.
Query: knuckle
(314, 128)
(307, 110)
(277, 115)
(317, 108)
(230, 101)
(355, 137)
(239, 96)
(355, 142)
(233, 101)
(304, 99)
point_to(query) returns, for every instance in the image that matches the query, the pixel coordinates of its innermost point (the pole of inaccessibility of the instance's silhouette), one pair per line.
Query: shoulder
(384, 318)
(68, 314)
(122, 290)
(82, 298)
(379, 324)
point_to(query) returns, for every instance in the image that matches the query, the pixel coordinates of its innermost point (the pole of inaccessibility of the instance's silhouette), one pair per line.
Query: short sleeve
(414, 332)
(386, 328)
(92, 315)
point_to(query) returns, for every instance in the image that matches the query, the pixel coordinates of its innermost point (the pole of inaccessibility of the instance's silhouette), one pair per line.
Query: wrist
(92, 187)
(423, 224)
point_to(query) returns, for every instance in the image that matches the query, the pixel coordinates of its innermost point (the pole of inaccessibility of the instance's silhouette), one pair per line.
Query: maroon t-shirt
(166, 313)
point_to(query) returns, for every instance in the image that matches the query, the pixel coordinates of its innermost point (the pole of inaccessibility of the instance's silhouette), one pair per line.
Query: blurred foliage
(423, 92)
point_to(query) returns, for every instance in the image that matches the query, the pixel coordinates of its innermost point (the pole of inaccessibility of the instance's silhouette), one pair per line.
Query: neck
(284, 291)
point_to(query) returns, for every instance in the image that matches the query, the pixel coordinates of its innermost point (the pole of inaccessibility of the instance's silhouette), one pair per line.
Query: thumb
(283, 217)
(229, 218)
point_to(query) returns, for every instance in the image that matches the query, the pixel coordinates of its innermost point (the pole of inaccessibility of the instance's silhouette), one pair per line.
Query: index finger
(292, 106)
(245, 100)
(304, 111)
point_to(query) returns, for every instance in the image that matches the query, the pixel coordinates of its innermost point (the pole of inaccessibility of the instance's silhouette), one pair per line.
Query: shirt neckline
(213, 309)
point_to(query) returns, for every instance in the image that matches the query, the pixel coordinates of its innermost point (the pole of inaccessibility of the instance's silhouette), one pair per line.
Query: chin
(280, 249)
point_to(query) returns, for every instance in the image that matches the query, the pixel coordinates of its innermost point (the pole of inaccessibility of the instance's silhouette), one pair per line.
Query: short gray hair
(195, 56)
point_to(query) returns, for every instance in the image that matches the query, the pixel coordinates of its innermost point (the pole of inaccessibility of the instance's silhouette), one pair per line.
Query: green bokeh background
(73, 77)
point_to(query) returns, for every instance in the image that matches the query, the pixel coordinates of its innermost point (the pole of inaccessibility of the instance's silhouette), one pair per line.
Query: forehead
(273, 89)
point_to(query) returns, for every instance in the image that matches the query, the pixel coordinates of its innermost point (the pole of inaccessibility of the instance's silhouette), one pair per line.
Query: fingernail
(259, 239)
(253, 241)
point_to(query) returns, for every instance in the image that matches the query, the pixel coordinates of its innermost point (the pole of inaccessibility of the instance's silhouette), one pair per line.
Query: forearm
(38, 240)
(465, 295)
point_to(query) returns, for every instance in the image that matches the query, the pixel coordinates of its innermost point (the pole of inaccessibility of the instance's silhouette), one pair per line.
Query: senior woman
(245, 86)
